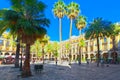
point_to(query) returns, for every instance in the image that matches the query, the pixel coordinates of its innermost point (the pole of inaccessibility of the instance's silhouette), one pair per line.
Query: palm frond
(73, 10)
(98, 28)
(59, 9)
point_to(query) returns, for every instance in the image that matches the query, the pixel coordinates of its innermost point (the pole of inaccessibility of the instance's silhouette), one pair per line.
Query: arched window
(105, 39)
(1, 42)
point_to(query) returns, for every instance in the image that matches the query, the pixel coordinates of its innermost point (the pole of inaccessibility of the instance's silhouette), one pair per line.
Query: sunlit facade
(90, 49)
(6, 48)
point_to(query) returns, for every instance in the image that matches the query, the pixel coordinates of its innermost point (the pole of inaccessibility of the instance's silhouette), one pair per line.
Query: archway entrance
(105, 57)
(13, 55)
(73, 57)
(91, 57)
(98, 56)
(7, 55)
(114, 56)
(86, 56)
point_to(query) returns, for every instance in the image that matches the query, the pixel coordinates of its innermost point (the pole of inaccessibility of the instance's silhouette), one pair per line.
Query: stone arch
(34, 55)
(114, 56)
(97, 56)
(105, 55)
(13, 54)
(91, 57)
(7, 53)
(86, 56)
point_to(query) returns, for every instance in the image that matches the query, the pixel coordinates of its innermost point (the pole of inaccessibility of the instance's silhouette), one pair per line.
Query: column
(88, 46)
(4, 44)
(100, 41)
(108, 43)
(94, 45)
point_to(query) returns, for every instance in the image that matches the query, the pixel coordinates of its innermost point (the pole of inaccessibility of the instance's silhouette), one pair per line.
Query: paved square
(65, 72)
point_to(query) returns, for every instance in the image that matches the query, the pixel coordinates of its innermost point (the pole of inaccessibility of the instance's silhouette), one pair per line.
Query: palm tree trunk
(70, 37)
(26, 68)
(98, 47)
(70, 28)
(37, 54)
(49, 55)
(60, 34)
(79, 56)
(60, 29)
(56, 60)
(17, 54)
(114, 47)
(43, 54)
(70, 57)
(80, 32)
(79, 62)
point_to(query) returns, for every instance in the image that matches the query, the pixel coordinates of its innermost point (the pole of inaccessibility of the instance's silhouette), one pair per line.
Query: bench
(38, 67)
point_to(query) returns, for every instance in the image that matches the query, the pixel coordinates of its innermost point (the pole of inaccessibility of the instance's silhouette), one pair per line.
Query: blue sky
(107, 9)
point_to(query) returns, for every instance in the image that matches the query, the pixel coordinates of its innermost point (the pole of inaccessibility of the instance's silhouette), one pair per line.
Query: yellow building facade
(90, 49)
(6, 48)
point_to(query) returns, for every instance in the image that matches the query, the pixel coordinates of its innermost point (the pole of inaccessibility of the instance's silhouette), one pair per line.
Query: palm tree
(115, 29)
(59, 11)
(6, 23)
(72, 13)
(68, 46)
(97, 29)
(49, 49)
(35, 48)
(80, 23)
(27, 21)
(43, 42)
(55, 51)
(81, 44)
(17, 53)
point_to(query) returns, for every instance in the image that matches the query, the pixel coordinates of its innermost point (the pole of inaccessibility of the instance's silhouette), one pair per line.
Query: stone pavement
(65, 72)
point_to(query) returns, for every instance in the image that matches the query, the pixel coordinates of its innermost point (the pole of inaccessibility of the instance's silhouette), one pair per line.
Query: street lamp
(22, 50)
